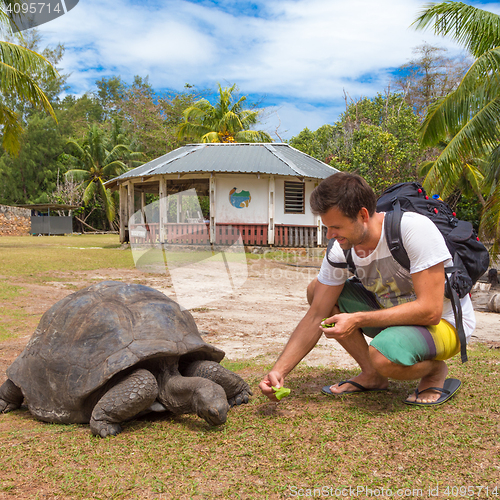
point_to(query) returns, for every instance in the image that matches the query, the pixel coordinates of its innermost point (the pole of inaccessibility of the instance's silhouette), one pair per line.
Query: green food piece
(327, 325)
(281, 393)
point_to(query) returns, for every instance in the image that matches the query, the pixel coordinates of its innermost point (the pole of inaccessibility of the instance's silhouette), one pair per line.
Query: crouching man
(405, 313)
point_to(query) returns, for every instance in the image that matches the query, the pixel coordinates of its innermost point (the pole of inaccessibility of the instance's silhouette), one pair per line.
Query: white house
(261, 190)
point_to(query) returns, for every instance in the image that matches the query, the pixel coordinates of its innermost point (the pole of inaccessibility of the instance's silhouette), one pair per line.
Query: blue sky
(296, 57)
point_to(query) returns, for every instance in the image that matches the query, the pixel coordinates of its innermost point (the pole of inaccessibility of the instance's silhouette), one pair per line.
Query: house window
(294, 197)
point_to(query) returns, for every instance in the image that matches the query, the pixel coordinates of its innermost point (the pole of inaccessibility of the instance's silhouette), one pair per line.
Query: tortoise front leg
(135, 393)
(11, 397)
(237, 390)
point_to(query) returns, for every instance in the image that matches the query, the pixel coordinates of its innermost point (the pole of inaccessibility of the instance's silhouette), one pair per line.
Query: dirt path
(254, 321)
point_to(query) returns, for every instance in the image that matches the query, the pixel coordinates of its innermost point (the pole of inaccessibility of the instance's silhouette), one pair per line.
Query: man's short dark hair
(347, 192)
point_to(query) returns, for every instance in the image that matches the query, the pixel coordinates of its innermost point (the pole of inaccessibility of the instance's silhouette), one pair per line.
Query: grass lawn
(306, 446)
(38, 256)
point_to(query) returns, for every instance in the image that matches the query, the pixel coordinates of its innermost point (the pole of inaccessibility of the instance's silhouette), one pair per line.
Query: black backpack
(470, 257)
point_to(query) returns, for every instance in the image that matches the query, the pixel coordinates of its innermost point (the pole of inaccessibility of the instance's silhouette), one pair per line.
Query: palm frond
(77, 147)
(475, 177)
(475, 29)
(249, 117)
(12, 130)
(253, 136)
(226, 120)
(211, 137)
(114, 168)
(489, 227)
(78, 175)
(81, 155)
(478, 137)
(469, 179)
(493, 168)
(197, 111)
(118, 151)
(109, 205)
(469, 117)
(90, 191)
(194, 130)
(230, 122)
(16, 63)
(5, 20)
(425, 167)
(479, 86)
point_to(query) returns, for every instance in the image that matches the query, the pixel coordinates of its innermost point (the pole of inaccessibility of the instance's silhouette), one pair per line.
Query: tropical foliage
(26, 177)
(226, 121)
(134, 116)
(429, 75)
(97, 135)
(319, 144)
(151, 118)
(19, 69)
(376, 138)
(467, 121)
(99, 160)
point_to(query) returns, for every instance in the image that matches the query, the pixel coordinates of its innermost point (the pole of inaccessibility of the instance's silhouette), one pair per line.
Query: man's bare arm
(304, 337)
(426, 309)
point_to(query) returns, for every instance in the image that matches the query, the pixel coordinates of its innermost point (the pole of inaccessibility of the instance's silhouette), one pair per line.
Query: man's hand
(272, 379)
(303, 338)
(344, 325)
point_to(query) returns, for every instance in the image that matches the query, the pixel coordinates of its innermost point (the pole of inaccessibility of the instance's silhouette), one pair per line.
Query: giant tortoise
(112, 351)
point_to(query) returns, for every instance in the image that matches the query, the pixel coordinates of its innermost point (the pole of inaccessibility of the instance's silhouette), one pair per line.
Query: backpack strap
(392, 224)
(349, 264)
(457, 311)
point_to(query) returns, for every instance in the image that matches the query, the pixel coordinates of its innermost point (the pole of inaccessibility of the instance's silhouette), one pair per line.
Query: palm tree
(224, 122)
(467, 119)
(98, 163)
(17, 67)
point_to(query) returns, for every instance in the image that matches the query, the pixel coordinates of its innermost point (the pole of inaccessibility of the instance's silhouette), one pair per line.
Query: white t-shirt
(387, 279)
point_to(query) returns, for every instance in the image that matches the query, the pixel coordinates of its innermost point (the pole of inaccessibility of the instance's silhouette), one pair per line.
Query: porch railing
(227, 234)
(295, 236)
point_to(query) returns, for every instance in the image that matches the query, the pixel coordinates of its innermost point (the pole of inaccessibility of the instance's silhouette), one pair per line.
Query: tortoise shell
(90, 336)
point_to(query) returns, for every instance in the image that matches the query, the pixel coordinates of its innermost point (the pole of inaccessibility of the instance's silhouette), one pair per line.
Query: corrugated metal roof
(262, 158)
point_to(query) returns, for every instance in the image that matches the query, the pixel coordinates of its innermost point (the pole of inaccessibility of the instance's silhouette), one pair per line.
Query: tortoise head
(210, 403)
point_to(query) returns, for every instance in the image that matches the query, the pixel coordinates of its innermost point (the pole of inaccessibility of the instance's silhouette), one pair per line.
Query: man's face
(346, 231)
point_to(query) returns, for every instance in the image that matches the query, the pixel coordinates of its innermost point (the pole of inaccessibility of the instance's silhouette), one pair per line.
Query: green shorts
(405, 345)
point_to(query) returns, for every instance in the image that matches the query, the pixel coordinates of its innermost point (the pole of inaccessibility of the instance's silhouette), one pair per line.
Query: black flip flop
(450, 387)
(326, 390)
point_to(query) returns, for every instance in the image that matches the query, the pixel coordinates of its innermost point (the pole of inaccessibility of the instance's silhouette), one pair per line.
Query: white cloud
(303, 50)
(313, 48)
(300, 47)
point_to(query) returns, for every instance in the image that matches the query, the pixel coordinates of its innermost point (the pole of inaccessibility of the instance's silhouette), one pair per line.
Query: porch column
(319, 234)
(179, 207)
(212, 208)
(319, 231)
(163, 216)
(131, 201)
(270, 230)
(143, 205)
(122, 192)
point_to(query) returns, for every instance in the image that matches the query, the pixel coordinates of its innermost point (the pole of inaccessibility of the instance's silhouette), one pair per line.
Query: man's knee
(380, 362)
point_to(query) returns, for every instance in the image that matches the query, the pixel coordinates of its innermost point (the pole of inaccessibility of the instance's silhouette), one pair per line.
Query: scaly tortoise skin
(112, 351)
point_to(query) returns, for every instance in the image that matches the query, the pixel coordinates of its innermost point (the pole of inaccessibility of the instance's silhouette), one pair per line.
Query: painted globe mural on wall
(241, 199)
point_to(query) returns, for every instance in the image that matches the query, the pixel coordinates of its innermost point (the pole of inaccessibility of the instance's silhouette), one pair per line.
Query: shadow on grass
(189, 422)
(306, 396)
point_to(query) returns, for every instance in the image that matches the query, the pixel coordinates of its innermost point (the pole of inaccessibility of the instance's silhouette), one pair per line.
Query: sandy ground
(253, 321)
(259, 318)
